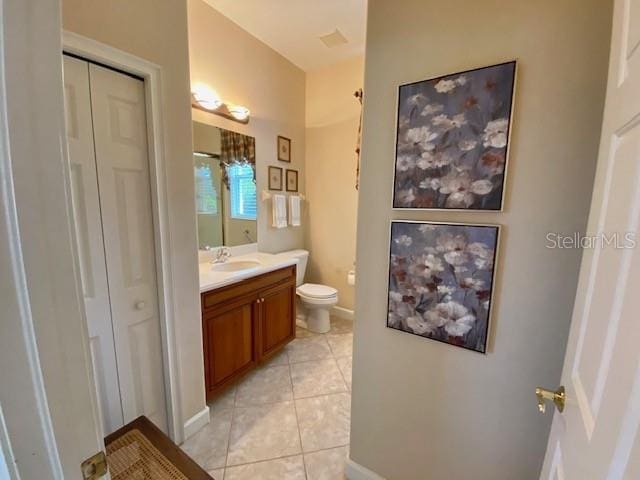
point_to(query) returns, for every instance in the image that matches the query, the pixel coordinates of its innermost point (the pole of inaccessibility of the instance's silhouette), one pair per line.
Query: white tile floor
(288, 420)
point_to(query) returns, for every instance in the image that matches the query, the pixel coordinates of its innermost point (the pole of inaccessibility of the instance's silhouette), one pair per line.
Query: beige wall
(332, 120)
(157, 31)
(243, 70)
(428, 410)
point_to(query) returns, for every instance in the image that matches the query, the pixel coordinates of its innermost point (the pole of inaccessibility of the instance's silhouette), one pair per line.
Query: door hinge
(94, 467)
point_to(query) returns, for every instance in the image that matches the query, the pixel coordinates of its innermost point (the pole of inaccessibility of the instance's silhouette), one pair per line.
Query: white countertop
(211, 279)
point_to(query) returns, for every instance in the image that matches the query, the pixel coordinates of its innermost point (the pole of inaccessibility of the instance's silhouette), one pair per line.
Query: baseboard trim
(355, 471)
(342, 312)
(196, 422)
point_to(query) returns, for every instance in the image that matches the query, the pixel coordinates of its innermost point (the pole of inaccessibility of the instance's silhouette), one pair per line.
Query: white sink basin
(235, 266)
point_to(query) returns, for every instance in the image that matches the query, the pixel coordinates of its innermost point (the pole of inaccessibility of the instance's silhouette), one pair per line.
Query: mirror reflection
(226, 203)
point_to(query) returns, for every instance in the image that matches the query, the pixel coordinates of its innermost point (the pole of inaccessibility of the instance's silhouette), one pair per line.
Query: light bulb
(239, 112)
(206, 97)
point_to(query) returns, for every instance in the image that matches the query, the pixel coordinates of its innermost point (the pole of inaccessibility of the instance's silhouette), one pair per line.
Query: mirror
(226, 201)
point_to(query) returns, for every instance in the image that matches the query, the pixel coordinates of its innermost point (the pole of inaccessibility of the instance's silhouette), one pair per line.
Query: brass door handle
(558, 398)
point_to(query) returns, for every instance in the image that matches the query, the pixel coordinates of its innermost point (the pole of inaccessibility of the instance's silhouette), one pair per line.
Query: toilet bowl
(317, 301)
(314, 301)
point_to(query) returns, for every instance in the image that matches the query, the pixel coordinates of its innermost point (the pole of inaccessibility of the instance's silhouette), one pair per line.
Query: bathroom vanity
(248, 315)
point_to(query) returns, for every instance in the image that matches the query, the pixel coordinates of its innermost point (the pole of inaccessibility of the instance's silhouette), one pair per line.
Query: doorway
(112, 208)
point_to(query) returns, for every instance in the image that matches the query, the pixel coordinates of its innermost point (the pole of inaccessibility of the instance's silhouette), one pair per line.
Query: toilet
(315, 301)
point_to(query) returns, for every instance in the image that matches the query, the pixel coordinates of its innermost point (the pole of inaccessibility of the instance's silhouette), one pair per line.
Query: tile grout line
(233, 414)
(295, 409)
(281, 457)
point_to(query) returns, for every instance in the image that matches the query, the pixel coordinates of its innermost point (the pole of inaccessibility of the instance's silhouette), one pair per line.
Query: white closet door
(86, 211)
(118, 105)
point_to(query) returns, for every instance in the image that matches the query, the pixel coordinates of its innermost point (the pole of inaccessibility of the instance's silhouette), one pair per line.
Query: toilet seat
(315, 291)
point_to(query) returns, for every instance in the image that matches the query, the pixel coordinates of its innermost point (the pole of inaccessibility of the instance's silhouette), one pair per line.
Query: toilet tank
(301, 256)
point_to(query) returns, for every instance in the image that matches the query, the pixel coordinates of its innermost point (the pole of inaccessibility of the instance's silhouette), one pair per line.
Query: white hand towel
(279, 207)
(294, 210)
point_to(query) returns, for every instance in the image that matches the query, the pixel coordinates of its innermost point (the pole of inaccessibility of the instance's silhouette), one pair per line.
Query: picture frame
(284, 149)
(275, 178)
(291, 180)
(453, 135)
(441, 281)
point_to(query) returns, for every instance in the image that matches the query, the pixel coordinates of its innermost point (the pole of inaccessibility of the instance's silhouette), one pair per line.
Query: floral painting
(441, 281)
(451, 146)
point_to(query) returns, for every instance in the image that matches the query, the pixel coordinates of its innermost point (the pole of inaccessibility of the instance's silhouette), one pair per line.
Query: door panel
(118, 105)
(598, 435)
(89, 240)
(230, 342)
(278, 319)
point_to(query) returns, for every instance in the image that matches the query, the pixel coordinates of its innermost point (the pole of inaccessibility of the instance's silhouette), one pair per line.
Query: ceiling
(293, 27)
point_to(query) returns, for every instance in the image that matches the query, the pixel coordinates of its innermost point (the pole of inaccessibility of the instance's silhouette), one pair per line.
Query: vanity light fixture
(204, 98)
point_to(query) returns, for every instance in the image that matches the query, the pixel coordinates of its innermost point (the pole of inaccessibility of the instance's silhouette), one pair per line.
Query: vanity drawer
(249, 287)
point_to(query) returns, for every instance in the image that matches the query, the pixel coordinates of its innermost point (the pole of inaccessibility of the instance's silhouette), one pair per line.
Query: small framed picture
(275, 178)
(284, 149)
(292, 180)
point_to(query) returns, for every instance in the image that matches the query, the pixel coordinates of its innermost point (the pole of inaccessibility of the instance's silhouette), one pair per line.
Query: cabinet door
(229, 343)
(278, 322)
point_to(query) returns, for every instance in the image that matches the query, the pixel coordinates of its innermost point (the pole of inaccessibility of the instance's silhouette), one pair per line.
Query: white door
(598, 435)
(120, 133)
(88, 230)
(114, 229)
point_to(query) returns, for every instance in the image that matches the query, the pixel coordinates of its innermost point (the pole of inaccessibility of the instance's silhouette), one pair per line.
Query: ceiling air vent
(333, 39)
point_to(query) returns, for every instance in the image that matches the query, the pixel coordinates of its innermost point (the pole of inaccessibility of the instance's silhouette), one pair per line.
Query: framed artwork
(452, 140)
(284, 149)
(441, 281)
(275, 178)
(292, 180)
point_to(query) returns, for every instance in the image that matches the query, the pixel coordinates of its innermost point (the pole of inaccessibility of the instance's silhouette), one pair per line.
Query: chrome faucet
(222, 255)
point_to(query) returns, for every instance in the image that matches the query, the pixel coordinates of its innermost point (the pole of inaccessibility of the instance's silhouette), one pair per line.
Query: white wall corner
(195, 423)
(355, 471)
(342, 312)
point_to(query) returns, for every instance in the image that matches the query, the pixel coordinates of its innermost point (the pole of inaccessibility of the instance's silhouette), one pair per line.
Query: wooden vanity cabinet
(246, 323)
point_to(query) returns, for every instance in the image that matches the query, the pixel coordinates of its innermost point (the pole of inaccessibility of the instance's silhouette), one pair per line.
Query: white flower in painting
(432, 183)
(426, 228)
(472, 283)
(419, 325)
(416, 100)
(445, 290)
(485, 304)
(495, 133)
(429, 160)
(395, 296)
(405, 162)
(483, 263)
(445, 86)
(452, 316)
(447, 123)
(456, 258)
(404, 240)
(479, 249)
(433, 265)
(458, 329)
(461, 80)
(406, 197)
(431, 108)
(467, 145)
(450, 243)
(462, 190)
(455, 318)
(421, 136)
